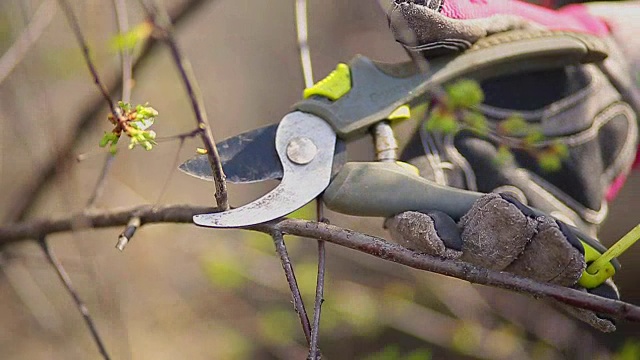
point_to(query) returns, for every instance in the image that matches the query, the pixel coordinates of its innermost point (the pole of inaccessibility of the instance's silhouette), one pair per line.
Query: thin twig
(344, 237)
(32, 188)
(174, 165)
(84, 46)
(98, 189)
(298, 304)
(302, 30)
(66, 280)
(182, 137)
(126, 58)
(314, 350)
(126, 64)
(163, 26)
(41, 19)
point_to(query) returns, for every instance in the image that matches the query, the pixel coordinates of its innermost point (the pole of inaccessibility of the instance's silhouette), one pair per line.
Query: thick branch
(344, 237)
(100, 219)
(458, 269)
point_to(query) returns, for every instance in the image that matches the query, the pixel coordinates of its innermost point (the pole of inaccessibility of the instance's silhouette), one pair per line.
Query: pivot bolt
(301, 150)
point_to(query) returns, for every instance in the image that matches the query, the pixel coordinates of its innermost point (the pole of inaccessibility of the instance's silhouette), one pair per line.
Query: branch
(302, 30)
(454, 268)
(66, 280)
(298, 304)
(344, 237)
(41, 19)
(314, 350)
(126, 62)
(163, 24)
(75, 26)
(95, 219)
(88, 117)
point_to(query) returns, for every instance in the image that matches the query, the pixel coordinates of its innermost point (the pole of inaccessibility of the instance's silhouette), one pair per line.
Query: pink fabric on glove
(618, 183)
(569, 18)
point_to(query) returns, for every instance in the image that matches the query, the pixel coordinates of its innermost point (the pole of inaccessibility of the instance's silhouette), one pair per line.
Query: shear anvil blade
(246, 158)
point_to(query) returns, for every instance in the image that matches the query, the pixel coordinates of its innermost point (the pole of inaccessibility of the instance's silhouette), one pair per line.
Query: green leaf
(129, 40)
(549, 161)
(145, 139)
(533, 137)
(145, 112)
(109, 138)
(504, 155)
(124, 106)
(477, 122)
(465, 94)
(561, 149)
(514, 125)
(442, 121)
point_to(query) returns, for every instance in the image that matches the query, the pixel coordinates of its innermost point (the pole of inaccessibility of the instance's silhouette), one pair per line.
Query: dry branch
(344, 237)
(162, 24)
(84, 310)
(15, 54)
(287, 266)
(84, 46)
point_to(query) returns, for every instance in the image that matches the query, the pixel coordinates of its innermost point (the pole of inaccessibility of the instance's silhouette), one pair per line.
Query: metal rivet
(301, 150)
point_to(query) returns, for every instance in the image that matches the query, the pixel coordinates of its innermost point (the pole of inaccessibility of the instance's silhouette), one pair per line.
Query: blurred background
(181, 292)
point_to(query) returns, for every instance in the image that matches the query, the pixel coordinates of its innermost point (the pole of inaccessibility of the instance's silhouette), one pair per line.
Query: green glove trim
(600, 267)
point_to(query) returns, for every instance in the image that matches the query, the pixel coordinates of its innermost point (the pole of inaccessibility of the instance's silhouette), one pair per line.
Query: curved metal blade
(246, 158)
(300, 183)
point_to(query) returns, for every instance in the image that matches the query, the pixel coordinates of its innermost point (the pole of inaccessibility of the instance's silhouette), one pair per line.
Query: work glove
(590, 108)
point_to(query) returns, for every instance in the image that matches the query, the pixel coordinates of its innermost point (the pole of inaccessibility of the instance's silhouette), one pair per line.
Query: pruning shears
(306, 149)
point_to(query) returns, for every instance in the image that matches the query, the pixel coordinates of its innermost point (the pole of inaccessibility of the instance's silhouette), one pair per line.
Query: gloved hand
(591, 108)
(500, 233)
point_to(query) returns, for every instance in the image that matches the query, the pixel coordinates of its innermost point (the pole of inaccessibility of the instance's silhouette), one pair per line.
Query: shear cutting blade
(246, 158)
(305, 145)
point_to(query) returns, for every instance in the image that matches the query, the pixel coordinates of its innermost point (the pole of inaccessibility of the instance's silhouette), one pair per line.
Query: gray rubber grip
(386, 189)
(378, 89)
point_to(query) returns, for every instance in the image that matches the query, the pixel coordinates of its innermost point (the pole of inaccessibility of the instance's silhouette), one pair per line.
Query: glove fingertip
(447, 230)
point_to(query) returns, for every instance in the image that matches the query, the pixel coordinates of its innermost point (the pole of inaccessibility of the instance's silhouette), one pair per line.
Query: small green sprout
(458, 110)
(465, 94)
(548, 161)
(458, 107)
(443, 121)
(134, 122)
(476, 121)
(129, 40)
(514, 125)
